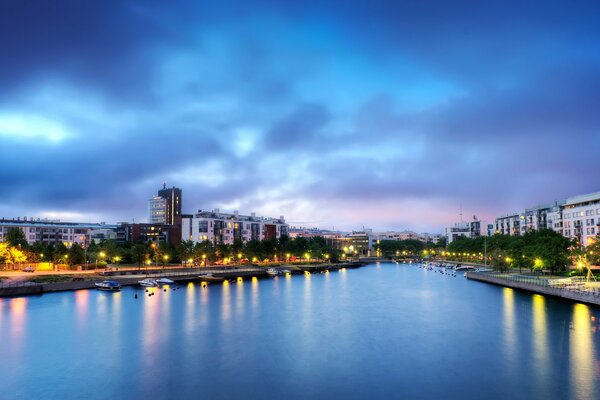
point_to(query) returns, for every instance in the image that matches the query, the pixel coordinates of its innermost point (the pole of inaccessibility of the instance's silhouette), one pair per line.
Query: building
(156, 233)
(53, 231)
(575, 218)
(355, 244)
(295, 232)
(165, 208)
(224, 228)
(471, 229)
(157, 209)
(581, 218)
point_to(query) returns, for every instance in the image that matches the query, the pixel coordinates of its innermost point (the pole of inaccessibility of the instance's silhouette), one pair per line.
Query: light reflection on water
(584, 376)
(346, 334)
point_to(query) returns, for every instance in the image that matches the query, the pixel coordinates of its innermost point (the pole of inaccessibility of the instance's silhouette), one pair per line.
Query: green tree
(15, 237)
(76, 255)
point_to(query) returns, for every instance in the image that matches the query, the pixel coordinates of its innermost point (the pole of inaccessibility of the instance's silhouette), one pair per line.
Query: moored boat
(111, 286)
(272, 272)
(165, 281)
(148, 283)
(210, 278)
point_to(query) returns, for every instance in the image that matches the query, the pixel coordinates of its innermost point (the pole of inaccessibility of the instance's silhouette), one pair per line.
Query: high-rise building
(157, 209)
(165, 208)
(172, 198)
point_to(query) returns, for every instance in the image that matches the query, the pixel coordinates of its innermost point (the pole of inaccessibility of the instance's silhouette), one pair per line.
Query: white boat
(111, 286)
(285, 271)
(272, 272)
(148, 283)
(165, 281)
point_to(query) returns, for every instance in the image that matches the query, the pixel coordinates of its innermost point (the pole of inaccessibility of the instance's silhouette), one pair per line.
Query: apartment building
(224, 228)
(53, 231)
(581, 218)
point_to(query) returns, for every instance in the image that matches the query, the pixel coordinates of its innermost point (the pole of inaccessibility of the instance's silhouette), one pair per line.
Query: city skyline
(383, 116)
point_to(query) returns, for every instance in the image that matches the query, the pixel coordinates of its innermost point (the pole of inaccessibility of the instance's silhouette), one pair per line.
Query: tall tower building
(172, 198)
(157, 210)
(165, 208)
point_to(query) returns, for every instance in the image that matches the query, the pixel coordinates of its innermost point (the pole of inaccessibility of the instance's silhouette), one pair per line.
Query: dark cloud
(491, 106)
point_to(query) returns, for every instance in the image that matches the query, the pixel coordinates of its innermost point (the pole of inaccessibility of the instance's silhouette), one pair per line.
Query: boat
(272, 272)
(111, 286)
(165, 281)
(285, 271)
(210, 278)
(148, 283)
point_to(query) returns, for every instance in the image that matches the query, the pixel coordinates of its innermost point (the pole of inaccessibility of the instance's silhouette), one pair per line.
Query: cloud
(387, 114)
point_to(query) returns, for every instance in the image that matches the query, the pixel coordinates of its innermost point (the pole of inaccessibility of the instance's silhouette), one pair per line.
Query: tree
(15, 237)
(76, 255)
(4, 252)
(59, 253)
(185, 250)
(139, 252)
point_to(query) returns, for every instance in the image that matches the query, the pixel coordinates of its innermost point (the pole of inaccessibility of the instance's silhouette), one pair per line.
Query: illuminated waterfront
(383, 331)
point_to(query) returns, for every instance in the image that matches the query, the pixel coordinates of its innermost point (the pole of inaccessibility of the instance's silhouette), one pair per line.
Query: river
(382, 331)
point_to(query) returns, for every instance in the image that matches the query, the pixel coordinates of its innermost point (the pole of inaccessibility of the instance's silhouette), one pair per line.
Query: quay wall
(580, 296)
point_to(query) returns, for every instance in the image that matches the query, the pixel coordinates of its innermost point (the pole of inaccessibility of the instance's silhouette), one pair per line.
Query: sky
(335, 114)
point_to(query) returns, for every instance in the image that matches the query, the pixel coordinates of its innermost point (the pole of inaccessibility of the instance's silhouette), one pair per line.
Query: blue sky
(388, 115)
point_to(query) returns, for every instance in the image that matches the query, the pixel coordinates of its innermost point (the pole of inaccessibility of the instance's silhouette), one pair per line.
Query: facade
(157, 209)
(172, 198)
(471, 229)
(575, 218)
(355, 244)
(165, 208)
(53, 231)
(581, 218)
(156, 233)
(224, 228)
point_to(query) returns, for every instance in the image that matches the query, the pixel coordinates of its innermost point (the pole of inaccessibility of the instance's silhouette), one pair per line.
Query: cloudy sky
(346, 114)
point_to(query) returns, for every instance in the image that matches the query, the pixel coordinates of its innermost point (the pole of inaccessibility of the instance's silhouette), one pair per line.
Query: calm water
(383, 331)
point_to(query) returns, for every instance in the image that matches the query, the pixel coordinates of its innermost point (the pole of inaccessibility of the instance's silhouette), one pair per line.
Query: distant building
(471, 229)
(224, 228)
(53, 231)
(295, 232)
(157, 210)
(156, 233)
(165, 208)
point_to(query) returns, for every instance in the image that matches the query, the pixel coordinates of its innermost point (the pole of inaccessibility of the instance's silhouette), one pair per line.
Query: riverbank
(132, 277)
(540, 286)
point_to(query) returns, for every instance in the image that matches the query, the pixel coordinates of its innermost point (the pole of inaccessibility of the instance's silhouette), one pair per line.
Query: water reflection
(239, 297)
(190, 307)
(226, 302)
(582, 354)
(82, 298)
(540, 343)
(254, 293)
(18, 317)
(508, 320)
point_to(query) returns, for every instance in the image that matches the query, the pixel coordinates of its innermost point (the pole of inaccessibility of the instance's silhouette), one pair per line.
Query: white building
(469, 230)
(53, 231)
(157, 209)
(223, 228)
(581, 218)
(575, 218)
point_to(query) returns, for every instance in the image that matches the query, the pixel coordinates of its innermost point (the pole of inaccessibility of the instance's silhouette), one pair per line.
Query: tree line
(15, 249)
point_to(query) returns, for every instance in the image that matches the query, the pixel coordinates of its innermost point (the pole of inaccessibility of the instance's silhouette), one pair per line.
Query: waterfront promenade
(566, 288)
(19, 283)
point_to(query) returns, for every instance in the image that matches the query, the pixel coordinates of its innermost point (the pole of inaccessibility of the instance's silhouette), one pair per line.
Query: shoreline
(565, 294)
(127, 278)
